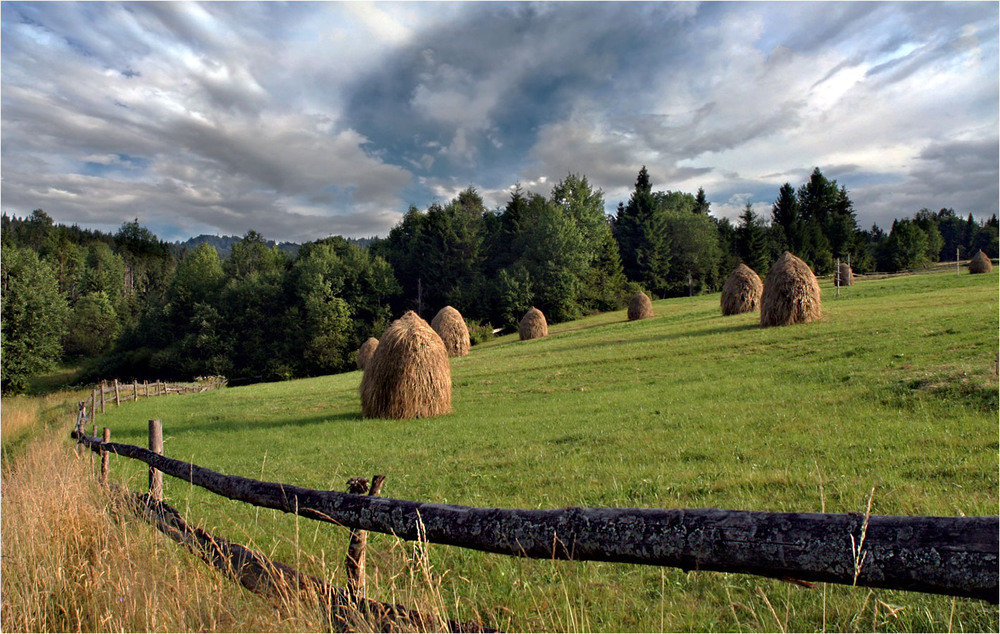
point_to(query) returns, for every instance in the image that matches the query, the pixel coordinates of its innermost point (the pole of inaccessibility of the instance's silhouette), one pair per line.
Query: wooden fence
(955, 556)
(104, 394)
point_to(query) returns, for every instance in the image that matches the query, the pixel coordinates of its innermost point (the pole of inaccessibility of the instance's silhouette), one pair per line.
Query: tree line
(130, 305)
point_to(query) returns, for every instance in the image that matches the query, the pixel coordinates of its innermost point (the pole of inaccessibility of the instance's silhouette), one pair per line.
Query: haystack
(450, 326)
(409, 375)
(741, 292)
(366, 351)
(980, 263)
(791, 294)
(640, 307)
(845, 275)
(533, 325)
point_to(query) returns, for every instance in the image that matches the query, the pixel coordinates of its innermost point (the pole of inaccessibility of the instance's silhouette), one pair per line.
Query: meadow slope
(895, 390)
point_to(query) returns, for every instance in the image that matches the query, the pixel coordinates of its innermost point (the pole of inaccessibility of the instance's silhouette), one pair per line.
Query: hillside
(894, 390)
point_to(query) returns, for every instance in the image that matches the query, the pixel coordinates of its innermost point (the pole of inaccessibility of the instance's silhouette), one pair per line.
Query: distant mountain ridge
(224, 244)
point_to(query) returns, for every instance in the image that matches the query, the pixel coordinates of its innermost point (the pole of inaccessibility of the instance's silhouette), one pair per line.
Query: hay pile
(450, 326)
(640, 307)
(409, 376)
(980, 263)
(533, 325)
(791, 294)
(741, 292)
(845, 274)
(366, 351)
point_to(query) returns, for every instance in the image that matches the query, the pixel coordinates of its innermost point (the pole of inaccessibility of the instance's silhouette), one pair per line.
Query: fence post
(118, 400)
(104, 385)
(93, 404)
(135, 390)
(156, 446)
(106, 438)
(355, 563)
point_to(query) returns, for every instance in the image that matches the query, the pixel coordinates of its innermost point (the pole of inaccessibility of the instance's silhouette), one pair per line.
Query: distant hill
(224, 244)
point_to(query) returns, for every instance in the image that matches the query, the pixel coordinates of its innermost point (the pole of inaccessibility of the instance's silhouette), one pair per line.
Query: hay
(741, 292)
(980, 263)
(450, 326)
(791, 294)
(640, 307)
(533, 325)
(366, 351)
(409, 376)
(845, 275)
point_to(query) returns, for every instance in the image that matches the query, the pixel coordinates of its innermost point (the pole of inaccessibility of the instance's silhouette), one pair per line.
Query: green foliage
(92, 327)
(34, 317)
(479, 333)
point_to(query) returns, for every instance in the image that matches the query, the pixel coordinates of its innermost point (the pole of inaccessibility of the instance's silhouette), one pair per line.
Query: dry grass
(640, 307)
(980, 263)
(74, 561)
(533, 325)
(791, 294)
(450, 326)
(366, 351)
(409, 375)
(741, 292)
(844, 275)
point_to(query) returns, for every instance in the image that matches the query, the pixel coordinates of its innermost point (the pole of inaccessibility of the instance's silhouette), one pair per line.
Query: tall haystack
(533, 325)
(409, 376)
(366, 351)
(741, 292)
(791, 294)
(844, 275)
(450, 326)
(640, 307)
(980, 263)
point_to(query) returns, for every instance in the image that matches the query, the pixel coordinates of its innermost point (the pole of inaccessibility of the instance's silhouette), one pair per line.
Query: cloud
(305, 119)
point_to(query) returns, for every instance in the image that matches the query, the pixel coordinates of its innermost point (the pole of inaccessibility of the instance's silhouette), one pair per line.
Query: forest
(131, 306)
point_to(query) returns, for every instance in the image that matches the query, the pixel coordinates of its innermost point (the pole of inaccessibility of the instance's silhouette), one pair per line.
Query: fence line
(159, 388)
(956, 556)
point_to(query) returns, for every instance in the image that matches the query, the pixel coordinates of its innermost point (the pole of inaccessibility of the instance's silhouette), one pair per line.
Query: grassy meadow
(894, 390)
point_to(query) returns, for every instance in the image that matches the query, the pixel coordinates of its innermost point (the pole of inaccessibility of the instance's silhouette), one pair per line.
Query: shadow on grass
(707, 332)
(231, 425)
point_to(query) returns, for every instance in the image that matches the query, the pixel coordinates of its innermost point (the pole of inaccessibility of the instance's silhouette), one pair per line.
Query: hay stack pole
(741, 292)
(980, 263)
(640, 307)
(366, 351)
(791, 294)
(409, 375)
(450, 326)
(533, 325)
(844, 275)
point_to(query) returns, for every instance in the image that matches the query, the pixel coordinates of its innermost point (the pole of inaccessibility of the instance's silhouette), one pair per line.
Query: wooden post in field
(958, 269)
(118, 398)
(135, 390)
(156, 446)
(836, 277)
(355, 563)
(106, 437)
(104, 386)
(93, 403)
(145, 385)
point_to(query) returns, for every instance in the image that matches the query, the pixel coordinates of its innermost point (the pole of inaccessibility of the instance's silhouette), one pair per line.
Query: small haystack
(640, 307)
(741, 292)
(409, 375)
(366, 351)
(791, 294)
(845, 275)
(980, 263)
(533, 325)
(450, 326)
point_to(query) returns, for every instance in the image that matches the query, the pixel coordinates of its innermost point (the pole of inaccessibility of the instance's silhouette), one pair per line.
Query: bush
(479, 333)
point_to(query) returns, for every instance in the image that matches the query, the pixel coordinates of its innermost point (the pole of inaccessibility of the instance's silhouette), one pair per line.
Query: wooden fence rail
(102, 392)
(955, 556)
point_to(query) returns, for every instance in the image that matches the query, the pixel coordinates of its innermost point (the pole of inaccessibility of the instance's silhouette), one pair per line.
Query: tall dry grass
(72, 560)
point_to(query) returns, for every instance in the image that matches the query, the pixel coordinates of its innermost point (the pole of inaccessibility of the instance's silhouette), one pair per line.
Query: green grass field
(895, 389)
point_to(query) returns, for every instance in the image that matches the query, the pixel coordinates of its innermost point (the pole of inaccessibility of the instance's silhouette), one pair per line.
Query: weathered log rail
(955, 556)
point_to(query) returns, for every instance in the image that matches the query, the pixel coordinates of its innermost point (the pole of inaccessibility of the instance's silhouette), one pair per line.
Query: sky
(303, 120)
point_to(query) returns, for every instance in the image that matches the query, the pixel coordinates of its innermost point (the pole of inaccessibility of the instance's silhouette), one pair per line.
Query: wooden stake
(118, 399)
(156, 446)
(356, 550)
(106, 438)
(135, 390)
(104, 385)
